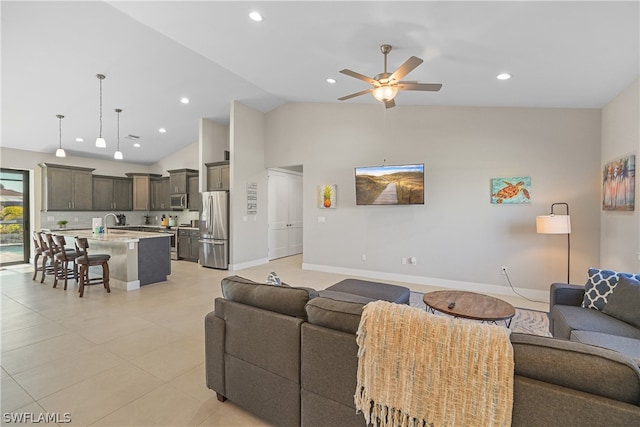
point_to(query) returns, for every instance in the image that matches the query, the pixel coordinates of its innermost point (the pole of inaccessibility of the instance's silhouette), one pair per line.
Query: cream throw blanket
(418, 369)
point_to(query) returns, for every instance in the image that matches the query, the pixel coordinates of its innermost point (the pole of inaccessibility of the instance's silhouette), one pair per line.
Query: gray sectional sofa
(569, 320)
(289, 356)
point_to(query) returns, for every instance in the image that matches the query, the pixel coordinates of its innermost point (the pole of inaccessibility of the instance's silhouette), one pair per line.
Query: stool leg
(55, 273)
(83, 272)
(65, 268)
(44, 267)
(35, 266)
(105, 276)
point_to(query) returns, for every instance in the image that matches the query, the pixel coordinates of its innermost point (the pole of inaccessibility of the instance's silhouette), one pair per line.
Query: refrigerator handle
(211, 214)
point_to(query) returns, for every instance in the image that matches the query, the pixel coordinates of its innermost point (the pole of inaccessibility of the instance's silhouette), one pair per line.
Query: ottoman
(372, 290)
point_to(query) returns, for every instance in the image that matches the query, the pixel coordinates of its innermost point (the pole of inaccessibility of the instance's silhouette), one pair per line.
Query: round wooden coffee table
(470, 305)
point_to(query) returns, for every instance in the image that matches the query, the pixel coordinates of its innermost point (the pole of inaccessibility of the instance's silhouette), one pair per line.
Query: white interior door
(295, 214)
(285, 214)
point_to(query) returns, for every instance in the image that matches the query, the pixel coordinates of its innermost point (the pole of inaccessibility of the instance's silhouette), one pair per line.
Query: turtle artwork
(510, 190)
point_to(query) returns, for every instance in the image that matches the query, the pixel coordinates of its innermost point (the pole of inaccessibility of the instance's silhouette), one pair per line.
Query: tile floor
(125, 358)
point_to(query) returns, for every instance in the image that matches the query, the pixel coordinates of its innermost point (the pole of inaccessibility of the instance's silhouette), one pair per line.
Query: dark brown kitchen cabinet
(178, 180)
(160, 195)
(112, 193)
(142, 190)
(66, 188)
(217, 176)
(194, 192)
(188, 245)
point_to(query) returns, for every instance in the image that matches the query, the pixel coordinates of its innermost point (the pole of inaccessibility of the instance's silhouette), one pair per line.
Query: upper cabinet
(142, 190)
(66, 188)
(217, 176)
(194, 192)
(160, 196)
(179, 180)
(110, 193)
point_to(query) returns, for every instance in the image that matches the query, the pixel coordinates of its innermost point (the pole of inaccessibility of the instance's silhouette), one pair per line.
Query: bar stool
(84, 261)
(62, 258)
(47, 255)
(37, 254)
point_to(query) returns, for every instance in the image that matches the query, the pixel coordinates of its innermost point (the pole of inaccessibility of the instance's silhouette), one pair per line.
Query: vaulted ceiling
(563, 54)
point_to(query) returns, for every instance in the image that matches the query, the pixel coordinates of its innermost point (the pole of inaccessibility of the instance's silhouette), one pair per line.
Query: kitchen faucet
(105, 221)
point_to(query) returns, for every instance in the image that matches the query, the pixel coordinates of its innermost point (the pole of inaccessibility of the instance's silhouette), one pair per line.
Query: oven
(174, 242)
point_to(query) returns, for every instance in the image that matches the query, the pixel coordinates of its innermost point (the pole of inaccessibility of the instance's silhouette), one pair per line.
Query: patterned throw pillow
(273, 279)
(600, 284)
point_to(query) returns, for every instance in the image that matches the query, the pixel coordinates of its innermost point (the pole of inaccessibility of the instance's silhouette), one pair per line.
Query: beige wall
(459, 238)
(248, 232)
(620, 231)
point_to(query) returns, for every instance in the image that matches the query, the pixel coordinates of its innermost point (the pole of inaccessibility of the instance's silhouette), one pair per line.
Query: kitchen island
(137, 258)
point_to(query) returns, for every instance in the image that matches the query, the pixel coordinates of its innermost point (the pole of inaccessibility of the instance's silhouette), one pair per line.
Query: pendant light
(118, 154)
(100, 142)
(60, 151)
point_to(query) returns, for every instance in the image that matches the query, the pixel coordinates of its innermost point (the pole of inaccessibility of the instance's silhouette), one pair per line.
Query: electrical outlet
(364, 257)
(403, 261)
(503, 270)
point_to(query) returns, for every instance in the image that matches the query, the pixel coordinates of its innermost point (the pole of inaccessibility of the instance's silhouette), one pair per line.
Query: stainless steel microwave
(179, 201)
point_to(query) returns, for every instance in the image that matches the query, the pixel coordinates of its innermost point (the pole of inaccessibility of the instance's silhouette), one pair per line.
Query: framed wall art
(327, 197)
(510, 191)
(619, 184)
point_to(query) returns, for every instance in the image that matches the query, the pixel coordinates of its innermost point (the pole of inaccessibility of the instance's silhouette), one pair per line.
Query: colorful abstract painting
(509, 191)
(327, 194)
(619, 184)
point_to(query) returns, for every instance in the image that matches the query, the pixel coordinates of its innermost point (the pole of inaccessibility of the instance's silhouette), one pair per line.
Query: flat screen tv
(390, 185)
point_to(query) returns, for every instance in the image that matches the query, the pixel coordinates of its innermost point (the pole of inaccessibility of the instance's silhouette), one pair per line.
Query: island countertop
(114, 235)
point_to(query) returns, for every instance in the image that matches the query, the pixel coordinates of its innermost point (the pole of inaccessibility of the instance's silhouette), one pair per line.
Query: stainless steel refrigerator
(214, 230)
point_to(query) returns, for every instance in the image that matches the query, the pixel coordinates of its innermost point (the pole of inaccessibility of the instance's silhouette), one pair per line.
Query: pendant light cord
(100, 105)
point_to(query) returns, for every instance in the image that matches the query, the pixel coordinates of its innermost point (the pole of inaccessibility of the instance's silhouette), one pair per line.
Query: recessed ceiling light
(255, 16)
(162, 130)
(79, 140)
(330, 80)
(503, 76)
(184, 100)
(137, 145)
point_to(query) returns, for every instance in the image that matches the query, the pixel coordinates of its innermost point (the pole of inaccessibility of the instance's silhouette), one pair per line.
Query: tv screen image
(390, 185)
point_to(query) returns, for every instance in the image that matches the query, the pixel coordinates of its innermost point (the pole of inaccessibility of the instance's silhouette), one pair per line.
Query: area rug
(525, 321)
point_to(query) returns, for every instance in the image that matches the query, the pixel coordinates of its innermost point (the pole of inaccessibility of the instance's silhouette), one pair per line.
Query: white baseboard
(429, 281)
(248, 264)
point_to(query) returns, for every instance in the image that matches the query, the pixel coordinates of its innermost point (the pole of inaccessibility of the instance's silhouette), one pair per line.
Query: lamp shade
(385, 93)
(553, 224)
(60, 152)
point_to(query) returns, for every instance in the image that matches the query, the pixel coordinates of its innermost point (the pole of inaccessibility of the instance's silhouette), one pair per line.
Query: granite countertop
(114, 235)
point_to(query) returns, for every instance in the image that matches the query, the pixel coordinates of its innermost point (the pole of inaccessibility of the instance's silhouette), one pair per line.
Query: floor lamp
(557, 224)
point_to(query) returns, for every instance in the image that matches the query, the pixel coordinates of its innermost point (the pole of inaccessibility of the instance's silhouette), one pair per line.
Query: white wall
(458, 237)
(186, 158)
(620, 231)
(248, 232)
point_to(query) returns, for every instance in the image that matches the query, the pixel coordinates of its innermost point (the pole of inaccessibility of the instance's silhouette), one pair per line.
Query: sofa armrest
(214, 338)
(566, 294)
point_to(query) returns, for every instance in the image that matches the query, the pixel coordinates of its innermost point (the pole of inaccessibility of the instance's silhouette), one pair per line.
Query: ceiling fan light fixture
(385, 93)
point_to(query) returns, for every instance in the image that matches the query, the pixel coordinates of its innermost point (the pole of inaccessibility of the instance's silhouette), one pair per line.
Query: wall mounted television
(390, 185)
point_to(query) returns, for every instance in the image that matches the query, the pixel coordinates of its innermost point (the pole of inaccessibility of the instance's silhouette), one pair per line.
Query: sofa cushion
(281, 299)
(600, 285)
(339, 314)
(567, 318)
(577, 366)
(627, 346)
(624, 301)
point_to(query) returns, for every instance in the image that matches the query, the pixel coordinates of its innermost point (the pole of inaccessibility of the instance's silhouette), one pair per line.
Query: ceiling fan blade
(358, 76)
(431, 87)
(406, 68)
(390, 104)
(353, 95)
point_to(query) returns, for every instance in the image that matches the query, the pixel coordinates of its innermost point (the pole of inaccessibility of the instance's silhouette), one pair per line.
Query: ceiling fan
(386, 85)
